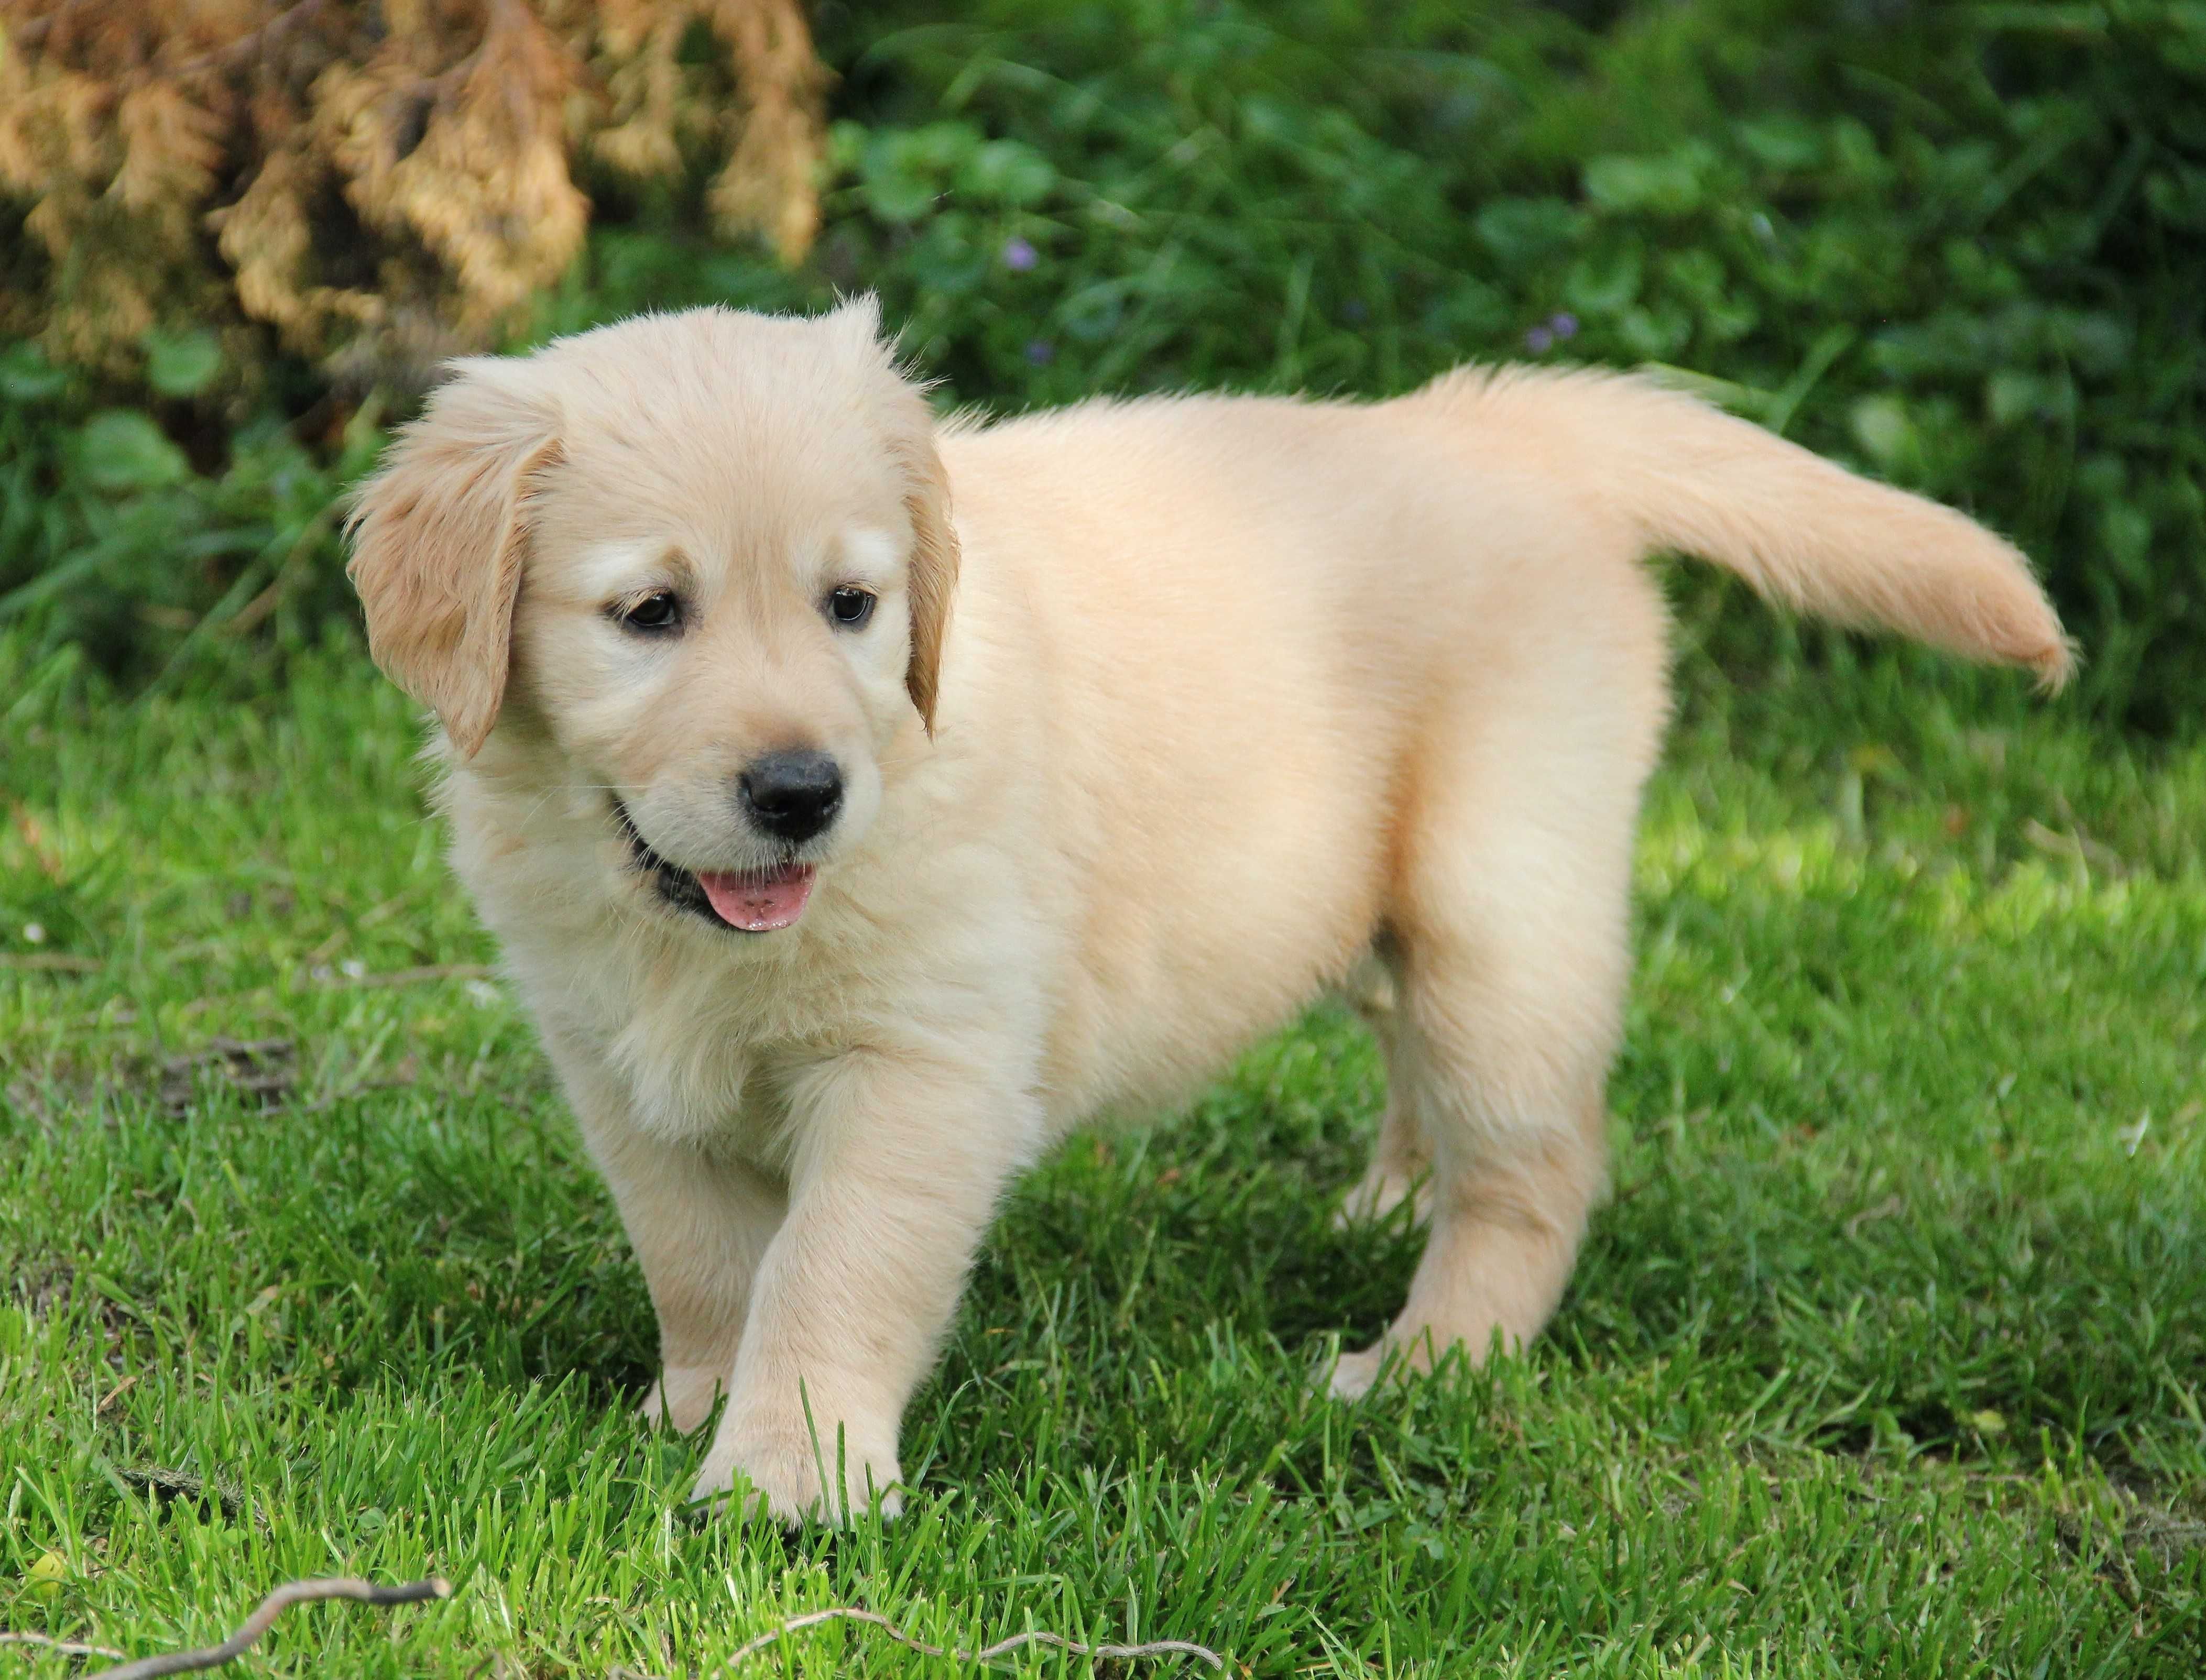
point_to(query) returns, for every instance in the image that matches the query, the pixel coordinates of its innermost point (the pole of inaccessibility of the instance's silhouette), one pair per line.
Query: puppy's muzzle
(790, 795)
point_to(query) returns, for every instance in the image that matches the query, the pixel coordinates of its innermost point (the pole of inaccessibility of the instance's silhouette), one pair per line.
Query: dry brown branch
(303, 1592)
(436, 971)
(54, 961)
(290, 1593)
(68, 1647)
(1155, 1647)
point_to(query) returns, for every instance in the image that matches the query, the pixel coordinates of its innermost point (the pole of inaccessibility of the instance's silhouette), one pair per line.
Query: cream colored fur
(1228, 695)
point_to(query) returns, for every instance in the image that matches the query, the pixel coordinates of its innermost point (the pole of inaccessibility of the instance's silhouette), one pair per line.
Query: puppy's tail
(1796, 527)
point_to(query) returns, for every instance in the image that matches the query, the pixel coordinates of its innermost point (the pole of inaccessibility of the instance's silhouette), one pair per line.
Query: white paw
(783, 1465)
(1353, 1374)
(1378, 1194)
(683, 1396)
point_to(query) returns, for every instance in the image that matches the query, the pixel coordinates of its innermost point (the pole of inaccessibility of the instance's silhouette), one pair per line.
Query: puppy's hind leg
(1401, 1161)
(1513, 968)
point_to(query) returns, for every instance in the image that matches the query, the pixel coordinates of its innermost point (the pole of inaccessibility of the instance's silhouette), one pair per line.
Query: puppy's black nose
(791, 795)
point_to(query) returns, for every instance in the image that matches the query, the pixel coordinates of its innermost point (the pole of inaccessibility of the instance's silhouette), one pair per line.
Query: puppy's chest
(703, 1053)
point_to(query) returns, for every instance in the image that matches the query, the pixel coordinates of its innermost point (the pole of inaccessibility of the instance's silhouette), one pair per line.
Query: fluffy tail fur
(1796, 527)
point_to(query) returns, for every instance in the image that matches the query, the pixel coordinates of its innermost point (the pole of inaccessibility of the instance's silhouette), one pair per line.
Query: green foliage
(114, 543)
(1957, 244)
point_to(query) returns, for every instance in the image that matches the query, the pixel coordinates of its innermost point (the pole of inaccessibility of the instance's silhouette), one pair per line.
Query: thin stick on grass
(1155, 1647)
(68, 1647)
(438, 971)
(290, 1593)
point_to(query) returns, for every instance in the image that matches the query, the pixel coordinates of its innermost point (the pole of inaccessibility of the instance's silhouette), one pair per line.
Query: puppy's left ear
(438, 535)
(932, 578)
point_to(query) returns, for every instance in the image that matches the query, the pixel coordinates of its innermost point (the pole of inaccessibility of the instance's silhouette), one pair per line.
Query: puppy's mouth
(748, 901)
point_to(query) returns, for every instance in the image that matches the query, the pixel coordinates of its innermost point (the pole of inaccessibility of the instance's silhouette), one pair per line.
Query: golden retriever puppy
(864, 802)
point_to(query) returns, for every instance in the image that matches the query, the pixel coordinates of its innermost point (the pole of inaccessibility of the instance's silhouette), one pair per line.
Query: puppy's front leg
(900, 1161)
(698, 1222)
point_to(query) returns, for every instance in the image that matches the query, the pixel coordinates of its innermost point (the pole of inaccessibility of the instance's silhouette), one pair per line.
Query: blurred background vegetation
(1960, 246)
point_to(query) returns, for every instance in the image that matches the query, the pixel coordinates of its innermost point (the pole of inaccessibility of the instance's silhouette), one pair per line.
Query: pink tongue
(759, 902)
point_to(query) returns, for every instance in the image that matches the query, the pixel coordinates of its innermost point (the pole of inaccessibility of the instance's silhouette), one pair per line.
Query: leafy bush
(112, 542)
(1957, 244)
(376, 185)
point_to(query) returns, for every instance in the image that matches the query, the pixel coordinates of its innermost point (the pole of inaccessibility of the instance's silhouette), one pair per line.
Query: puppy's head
(706, 558)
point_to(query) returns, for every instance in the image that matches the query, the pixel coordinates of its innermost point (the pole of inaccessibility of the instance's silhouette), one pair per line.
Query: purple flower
(1564, 325)
(1019, 255)
(1040, 352)
(1539, 340)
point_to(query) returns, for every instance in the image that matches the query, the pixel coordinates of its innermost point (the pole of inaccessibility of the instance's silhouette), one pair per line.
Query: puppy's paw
(683, 1396)
(1353, 1374)
(1401, 1354)
(783, 1466)
(1388, 1360)
(1378, 1194)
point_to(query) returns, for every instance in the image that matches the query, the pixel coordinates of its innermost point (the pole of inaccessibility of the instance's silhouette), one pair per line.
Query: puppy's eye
(653, 614)
(850, 605)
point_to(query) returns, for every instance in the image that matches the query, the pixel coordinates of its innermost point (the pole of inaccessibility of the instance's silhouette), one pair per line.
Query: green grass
(1887, 1358)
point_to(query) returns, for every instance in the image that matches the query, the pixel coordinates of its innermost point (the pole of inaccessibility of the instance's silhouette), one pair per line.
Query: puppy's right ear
(438, 534)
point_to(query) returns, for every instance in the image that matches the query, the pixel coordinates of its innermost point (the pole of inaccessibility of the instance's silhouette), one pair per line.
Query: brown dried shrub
(378, 182)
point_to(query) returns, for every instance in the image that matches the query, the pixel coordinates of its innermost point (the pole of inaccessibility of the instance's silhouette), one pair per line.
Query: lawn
(1887, 1357)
